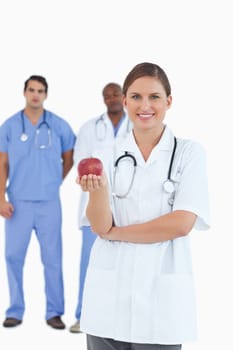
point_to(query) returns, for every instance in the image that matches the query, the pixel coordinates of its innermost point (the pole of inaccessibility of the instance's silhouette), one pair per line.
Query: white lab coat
(144, 293)
(91, 137)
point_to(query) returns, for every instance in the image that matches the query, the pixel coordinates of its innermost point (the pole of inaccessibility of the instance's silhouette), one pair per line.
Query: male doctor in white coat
(99, 132)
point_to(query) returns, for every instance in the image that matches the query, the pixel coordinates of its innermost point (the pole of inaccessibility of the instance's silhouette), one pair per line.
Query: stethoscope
(168, 185)
(101, 128)
(100, 125)
(24, 137)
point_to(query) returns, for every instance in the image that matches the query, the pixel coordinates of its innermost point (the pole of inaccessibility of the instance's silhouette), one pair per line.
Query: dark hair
(39, 78)
(111, 85)
(149, 70)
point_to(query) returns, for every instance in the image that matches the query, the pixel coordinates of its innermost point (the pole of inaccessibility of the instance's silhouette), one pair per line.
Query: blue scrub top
(117, 127)
(35, 173)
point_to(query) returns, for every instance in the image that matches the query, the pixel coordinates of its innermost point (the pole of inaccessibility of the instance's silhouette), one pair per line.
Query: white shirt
(144, 293)
(96, 134)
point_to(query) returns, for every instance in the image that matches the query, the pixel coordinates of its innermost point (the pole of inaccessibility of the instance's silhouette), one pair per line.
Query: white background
(79, 46)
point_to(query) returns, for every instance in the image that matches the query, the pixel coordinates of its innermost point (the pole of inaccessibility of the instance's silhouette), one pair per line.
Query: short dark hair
(147, 69)
(112, 84)
(39, 78)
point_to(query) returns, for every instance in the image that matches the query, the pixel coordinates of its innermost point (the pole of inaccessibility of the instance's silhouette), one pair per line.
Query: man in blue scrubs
(36, 153)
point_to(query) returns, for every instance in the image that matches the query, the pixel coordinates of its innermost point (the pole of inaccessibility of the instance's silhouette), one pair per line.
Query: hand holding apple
(90, 166)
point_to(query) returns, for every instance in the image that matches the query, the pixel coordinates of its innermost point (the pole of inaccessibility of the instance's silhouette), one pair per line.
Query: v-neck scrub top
(34, 173)
(144, 293)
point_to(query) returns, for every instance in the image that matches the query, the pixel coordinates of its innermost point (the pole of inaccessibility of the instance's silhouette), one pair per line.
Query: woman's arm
(166, 227)
(98, 209)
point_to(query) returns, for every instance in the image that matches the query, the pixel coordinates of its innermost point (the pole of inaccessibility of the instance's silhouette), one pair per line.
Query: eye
(154, 97)
(135, 97)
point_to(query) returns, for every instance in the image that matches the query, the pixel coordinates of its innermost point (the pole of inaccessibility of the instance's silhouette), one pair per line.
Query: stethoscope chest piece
(23, 137)
(168, 186)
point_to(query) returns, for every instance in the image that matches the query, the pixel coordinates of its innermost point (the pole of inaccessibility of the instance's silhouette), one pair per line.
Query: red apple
(90, 166)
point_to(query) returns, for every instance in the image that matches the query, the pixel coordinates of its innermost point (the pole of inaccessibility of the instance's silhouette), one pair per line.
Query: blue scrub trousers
(88, 238)
(44, 217)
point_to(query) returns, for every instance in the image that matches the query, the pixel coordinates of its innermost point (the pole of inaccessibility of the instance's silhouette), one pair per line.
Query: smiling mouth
(145, 115)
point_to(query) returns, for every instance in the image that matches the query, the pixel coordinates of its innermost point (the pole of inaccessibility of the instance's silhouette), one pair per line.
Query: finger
(91, 182)
(83, 179)
(7, 214)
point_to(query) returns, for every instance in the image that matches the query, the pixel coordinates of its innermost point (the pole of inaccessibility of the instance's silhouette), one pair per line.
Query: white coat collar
(166, 143)
(105, 116)
(126, 125)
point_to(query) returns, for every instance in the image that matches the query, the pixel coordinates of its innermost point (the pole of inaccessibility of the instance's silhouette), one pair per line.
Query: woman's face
(146, 102)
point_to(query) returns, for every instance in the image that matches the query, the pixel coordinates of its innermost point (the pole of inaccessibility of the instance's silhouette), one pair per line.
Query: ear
(169, 101)
(124, 101)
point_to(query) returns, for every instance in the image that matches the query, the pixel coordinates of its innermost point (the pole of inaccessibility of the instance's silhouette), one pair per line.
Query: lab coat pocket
(175, 306)
(103, 254)
(98, 309)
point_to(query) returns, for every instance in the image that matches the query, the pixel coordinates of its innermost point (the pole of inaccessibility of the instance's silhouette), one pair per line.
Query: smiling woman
(140, 271)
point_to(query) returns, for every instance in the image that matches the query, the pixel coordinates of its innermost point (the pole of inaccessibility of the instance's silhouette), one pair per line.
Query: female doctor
(143, 207)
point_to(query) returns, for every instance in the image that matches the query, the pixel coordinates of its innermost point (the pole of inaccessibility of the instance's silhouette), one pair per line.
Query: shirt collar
(166, 143)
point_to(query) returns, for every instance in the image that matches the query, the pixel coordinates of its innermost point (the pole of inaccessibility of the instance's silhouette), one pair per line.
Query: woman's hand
(91, 182)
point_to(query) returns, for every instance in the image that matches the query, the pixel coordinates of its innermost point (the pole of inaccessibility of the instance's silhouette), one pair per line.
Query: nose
(111, 98)
(35, 93)
(145, 105)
